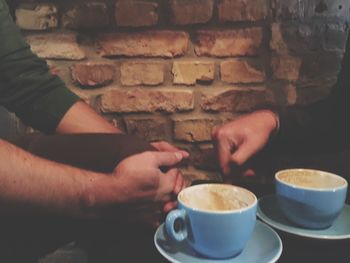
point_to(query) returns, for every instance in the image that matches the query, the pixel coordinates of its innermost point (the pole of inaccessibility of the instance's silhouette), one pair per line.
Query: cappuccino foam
(311, 179)
(216, 198)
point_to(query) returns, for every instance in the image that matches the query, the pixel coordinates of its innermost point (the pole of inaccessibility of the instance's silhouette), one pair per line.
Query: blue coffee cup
(216, 220)
(310, 198)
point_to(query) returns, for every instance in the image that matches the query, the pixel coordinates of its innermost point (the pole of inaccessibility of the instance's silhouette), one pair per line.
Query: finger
(164, 146)
(223, 149)
(167, 183)
(167, 147)
(169, 206)
(244, 152)
(167, 158)
(179, 183)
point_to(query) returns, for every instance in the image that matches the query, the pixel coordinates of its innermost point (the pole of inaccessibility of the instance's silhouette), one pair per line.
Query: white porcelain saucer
(265, 246)
(269, 212)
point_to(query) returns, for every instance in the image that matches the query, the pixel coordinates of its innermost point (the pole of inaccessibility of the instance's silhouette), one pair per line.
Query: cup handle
(172, 217)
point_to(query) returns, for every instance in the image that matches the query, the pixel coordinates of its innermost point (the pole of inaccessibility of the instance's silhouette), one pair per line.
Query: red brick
(161, 43)
(86, 14)
(205, 158)
(56, 46)
(147, 100)
(150, 129)
(93, 73)
(189, 72)
(136, 13)
(141, 73)
(185, 12)
(242, 10)
(240, 71)
(225, 43)
(286, 67)
(194, 130)
(234, 100)
(37, 17)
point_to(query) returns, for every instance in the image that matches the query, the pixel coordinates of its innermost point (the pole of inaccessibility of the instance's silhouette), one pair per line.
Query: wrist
(272, 118)
(96, 188)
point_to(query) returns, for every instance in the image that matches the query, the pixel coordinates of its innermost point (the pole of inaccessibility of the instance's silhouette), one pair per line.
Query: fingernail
(178, 155)
(185, 154)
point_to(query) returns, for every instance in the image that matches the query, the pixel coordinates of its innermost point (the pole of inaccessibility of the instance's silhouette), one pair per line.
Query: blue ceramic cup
(216, 220)
(310, 198)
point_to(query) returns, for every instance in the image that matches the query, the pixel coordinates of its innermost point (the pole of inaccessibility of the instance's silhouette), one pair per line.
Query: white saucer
(265, 246)
(269, 212)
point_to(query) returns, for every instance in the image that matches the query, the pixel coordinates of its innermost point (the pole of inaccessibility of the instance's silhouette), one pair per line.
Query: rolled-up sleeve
(27, 87)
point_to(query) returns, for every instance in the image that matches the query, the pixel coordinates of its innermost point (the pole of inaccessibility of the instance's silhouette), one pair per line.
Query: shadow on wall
(308, 42)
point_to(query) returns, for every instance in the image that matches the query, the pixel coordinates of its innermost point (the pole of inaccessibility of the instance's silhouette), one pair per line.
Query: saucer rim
(260, 223)
(298, 230)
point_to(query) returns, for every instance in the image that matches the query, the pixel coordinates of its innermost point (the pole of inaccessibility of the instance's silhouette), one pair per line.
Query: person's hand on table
(237, 141)
(180, 182)
(138, 188)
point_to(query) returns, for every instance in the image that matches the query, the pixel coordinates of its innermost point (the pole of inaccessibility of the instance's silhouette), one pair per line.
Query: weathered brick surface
(297, 39)
(240, 71)
(151, 129)
(86, 14)
(141, 72)
(277, 42)
(295, 9)
(205, 158)
(194, 129)
(335, 36)
(225, 43)
(320, 71)
(285, 67)
(189, 72)
(142, 100)
(185, 12)
(93, 73)
(242, 10)
(243, 99)
(158, 47)
(37, 17)
(161, 43)
(56, 46)
(290, 94)
(136, 13)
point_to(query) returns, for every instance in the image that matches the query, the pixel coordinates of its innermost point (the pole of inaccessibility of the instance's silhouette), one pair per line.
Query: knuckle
(222, 133)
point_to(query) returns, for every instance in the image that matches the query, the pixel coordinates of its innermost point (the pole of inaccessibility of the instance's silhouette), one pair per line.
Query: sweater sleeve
(27, 87)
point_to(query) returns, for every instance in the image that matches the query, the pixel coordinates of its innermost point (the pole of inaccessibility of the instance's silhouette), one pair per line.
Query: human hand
(138, 188)
(237, 141)
(164, 146)
(180, 183)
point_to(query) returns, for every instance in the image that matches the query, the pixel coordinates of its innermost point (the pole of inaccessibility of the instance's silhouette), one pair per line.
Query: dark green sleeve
(27, 88)
(322, 126)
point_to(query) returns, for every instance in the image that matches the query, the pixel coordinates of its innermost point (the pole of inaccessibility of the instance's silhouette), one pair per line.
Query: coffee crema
(216, 198)
(311, 179)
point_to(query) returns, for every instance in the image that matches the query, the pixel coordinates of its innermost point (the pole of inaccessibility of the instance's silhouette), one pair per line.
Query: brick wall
(173, 69)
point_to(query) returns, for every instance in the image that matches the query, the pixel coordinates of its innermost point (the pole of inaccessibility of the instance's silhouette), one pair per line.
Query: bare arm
(29, 184)
(81, 118)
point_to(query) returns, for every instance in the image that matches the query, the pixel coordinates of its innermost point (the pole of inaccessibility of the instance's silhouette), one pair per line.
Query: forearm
(81, 118)
(29, 184)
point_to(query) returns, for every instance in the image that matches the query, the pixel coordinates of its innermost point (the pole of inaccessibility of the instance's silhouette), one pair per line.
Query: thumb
(243, 153)
(167, 158)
